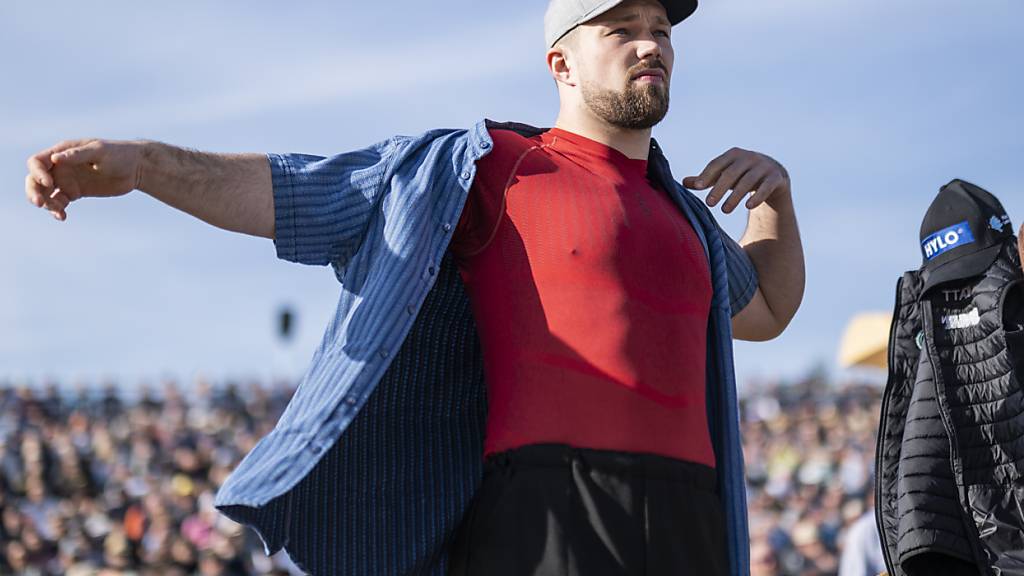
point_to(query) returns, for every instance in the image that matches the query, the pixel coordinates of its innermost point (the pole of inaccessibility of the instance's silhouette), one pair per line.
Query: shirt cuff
(284, 207)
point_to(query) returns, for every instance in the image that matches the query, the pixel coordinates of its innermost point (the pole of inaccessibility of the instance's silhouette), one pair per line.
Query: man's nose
(648, 48)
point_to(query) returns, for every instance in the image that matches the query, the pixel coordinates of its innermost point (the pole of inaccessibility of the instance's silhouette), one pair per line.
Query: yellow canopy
(866, 341)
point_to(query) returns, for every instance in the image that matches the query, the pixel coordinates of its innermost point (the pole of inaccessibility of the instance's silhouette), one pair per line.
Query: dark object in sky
(285, 323)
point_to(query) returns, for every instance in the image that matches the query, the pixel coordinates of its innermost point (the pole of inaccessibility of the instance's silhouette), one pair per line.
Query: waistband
(637, 464)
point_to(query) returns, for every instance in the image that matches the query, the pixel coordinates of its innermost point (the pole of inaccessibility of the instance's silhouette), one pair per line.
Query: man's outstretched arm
(771, 240)
(230, 191)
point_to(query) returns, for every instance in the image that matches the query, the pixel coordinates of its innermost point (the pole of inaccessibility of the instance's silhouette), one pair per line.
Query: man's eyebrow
(632, 17)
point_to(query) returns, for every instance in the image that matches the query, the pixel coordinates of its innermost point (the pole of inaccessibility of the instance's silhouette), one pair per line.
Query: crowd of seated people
(115, 480)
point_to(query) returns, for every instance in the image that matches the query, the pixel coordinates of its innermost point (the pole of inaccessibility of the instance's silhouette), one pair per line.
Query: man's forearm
(230, 191)
(772, 240)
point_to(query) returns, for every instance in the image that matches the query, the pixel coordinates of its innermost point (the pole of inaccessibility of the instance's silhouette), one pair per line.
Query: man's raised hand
(744, 172)
(77, 169)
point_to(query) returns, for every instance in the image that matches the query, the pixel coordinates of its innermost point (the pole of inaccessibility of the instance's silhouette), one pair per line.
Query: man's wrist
(781, 198)
(147, 151)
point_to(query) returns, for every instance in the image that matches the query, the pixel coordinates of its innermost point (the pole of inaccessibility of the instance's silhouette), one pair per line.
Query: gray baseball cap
(564, 15)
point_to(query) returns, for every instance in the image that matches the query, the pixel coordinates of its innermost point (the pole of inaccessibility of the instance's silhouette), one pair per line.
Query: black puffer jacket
(950, 460)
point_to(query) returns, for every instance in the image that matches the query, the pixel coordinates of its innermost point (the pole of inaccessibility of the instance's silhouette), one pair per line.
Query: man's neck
(634, 144)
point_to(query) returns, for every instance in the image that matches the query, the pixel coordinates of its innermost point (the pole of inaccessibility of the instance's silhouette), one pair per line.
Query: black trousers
(553, 510)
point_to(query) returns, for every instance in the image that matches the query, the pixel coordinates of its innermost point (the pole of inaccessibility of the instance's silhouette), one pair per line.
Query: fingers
(54, 201)
(729, 179)
(769, 185)
(36, 193)
(67, 190)
(39, 165)
(66, 180)
(744, 173)
(747, 184)
(50, 185)
(39, 169)
(711, 172)
(57, 205)
(78, 155)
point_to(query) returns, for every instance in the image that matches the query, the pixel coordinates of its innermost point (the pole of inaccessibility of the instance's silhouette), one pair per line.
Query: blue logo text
(946, 239)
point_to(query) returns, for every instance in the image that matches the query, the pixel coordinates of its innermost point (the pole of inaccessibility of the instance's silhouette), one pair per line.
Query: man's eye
(662, 32)
(620, 31)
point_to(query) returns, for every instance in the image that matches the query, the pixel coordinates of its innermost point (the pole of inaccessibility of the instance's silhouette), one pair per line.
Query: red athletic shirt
(591, 292)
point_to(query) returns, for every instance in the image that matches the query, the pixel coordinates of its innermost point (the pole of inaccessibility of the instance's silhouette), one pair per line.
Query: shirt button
(431, 271)
(485, 145)
(316, 448)
(351, 400)
(411, 309)
(384, 353)
(465, 174)
(447, 227)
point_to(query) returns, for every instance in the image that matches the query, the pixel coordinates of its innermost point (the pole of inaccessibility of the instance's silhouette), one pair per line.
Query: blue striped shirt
(372, 464)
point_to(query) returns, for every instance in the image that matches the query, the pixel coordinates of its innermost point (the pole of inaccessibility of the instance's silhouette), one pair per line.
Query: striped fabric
(349, 516)
(371, 465)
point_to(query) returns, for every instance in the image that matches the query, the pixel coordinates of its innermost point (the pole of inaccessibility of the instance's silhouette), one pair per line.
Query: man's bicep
(752, 318)
(755, 322)
(322, 205)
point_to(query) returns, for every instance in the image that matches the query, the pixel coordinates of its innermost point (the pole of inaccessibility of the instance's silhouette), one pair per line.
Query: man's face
(624, 61)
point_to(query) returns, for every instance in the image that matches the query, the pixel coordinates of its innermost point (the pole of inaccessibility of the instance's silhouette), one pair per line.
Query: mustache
(647, 66)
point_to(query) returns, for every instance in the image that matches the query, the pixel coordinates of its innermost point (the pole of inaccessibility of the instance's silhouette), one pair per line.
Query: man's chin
(637, 107)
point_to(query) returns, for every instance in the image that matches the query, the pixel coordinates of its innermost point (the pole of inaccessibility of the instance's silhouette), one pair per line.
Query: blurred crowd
(93, 482)
(810, 450)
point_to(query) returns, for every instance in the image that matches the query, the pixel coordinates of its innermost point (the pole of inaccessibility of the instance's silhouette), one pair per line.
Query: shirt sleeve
(743, 280)
(322, 206)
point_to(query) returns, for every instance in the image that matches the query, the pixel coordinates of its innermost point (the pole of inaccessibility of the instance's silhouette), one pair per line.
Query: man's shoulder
(513, 128)
(434, 148)
(513, 136)
(483, 135)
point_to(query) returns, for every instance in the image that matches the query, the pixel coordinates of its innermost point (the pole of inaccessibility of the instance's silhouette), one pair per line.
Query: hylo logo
(946, 239)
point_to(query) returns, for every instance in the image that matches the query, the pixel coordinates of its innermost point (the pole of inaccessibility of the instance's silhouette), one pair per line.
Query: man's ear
(559, 65)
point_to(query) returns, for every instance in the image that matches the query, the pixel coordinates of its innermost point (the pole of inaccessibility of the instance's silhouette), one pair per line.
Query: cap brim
(966, 266)
(679, 10)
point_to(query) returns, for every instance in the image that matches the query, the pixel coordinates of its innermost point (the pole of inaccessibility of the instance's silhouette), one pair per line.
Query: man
(563, 272)
(862, 549)
(862, 546)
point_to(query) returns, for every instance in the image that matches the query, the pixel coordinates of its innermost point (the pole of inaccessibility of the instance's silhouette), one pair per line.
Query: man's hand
(76, 169)
(744, 172)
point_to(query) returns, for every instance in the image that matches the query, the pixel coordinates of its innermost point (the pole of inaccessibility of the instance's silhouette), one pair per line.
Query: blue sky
(871, 104)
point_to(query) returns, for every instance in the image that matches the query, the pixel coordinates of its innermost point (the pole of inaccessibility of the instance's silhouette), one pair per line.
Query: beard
(636, 107)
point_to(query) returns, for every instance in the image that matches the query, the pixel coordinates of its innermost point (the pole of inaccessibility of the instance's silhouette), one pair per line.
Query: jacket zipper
(881, 432)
